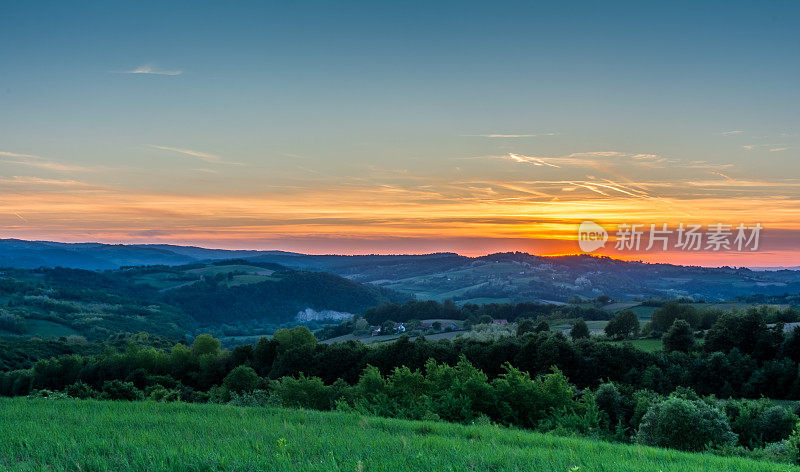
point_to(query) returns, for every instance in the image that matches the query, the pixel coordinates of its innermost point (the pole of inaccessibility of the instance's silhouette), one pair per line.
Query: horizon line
(554, 255)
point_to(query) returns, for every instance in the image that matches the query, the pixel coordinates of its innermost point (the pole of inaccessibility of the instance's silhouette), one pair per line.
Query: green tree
(387, 327)
(609, 400)
(241, 379)
(525, 325)
(206, 344)
(579, 330)
(664, 317)
(759, 422)
(622, 326)
(264, 355)
(297, 337)
(449, 309)
(680, 337)
(542, 327)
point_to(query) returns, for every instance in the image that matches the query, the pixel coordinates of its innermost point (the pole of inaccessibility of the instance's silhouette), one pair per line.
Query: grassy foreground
(76, 435)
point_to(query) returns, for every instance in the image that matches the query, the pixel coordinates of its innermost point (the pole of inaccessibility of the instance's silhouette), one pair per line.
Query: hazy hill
(517, 277)
(96, 256)
(493, 278)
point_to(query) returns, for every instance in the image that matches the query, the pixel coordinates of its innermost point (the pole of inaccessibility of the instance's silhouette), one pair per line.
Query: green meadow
(87, 435)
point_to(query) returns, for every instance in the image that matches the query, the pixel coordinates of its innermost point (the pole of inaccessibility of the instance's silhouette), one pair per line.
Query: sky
(401, 127)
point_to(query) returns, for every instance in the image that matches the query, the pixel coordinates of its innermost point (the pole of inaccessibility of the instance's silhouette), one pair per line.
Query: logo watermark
(591, 236)
(684, 237)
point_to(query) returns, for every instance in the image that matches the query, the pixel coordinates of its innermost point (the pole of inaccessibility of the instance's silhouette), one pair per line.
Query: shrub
(119, 390)
(305, 392)
(759, 422)
(80, 390)
(683, 424)
(159, 393)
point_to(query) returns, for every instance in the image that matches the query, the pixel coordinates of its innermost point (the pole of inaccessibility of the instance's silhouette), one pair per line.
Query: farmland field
(66, 435)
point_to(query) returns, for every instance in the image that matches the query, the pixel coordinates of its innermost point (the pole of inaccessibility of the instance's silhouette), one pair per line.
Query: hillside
(96, 256)
(237, 297)
(521, 277)
(149, 436)
(505, 277)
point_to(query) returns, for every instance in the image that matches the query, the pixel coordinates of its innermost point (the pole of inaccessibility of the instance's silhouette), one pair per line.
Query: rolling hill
(504, 277)
(225, 297)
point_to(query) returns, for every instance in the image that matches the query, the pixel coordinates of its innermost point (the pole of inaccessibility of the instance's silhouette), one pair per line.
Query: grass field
(72, 435)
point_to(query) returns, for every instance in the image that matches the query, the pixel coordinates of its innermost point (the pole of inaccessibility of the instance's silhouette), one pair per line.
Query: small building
(500, 321)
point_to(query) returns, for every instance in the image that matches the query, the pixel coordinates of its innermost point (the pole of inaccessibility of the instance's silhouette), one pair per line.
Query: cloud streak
(537, 161)
(494, 135)
(205, 156)
(149, 69)
(31, 160)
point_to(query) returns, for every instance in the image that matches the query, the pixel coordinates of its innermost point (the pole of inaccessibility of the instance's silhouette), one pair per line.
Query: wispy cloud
(537, 161)
(36, 181)
(721, 175)
(149, 69)
(495, 135)
(590, 159)
(14, 154)
(205, 156)
(732, 132)
(772, 147)
(31, 160)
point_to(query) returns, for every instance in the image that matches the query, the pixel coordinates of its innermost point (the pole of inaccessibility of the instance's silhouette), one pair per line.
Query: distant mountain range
(505, 277)
(97, 256)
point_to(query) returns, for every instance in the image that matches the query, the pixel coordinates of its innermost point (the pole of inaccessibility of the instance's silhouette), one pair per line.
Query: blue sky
(253, 104)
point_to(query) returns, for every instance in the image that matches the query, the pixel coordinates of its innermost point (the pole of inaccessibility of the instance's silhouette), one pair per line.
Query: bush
(757, 423)
(159, 393)
(686, 425)
(257, 398)
(80, 390)
(119, 390)
(305, 392)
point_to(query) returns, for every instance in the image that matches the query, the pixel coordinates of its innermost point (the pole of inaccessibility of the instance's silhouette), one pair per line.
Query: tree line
(538, 379)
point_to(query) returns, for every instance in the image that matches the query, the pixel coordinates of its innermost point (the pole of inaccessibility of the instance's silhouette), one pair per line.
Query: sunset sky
(369, 127)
